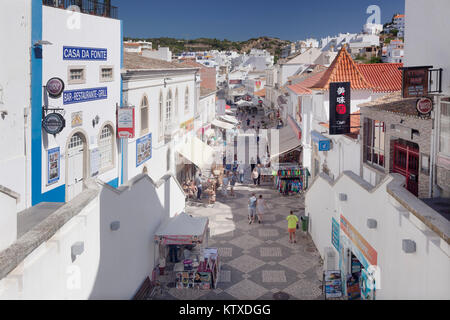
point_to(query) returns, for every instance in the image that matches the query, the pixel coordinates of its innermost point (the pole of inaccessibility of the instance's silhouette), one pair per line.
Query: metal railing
(93, 7)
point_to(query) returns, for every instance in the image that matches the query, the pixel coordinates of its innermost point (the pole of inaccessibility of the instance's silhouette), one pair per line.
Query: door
(75, 166)
(406, 162)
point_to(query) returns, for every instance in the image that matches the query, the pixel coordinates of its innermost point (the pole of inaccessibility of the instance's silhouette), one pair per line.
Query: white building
(399, 23)
(393, 52)
(163, 53)
(373, 28)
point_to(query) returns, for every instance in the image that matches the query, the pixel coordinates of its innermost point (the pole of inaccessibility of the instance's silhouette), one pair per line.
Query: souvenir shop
(194, 265)
(290, 179)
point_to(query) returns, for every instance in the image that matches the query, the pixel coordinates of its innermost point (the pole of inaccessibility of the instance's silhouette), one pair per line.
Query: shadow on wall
(129, 217)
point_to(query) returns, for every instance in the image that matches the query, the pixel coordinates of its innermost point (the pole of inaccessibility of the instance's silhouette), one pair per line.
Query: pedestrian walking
(198, 184)
(292, 220)
(258, 168)
(251, 208)
(225, 182)
(260, 208)
(248, 122)
(233, 183)
(241, 173)
(255, 176)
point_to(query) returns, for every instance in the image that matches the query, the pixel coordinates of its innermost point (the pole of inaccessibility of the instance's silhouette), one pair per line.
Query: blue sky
(243, 19)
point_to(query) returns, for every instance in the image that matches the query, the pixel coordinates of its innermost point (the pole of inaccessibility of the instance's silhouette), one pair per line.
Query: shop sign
(84, 95)
(77, 119)
(143, 149)
(335, 233)
(424, 106)
(339, 107)
(53, 123)
(333, 284)
(415, 82)
(80, 53)
(53, 165)
(95, 162)
(364, 247)
(125, 123)
(55, 87)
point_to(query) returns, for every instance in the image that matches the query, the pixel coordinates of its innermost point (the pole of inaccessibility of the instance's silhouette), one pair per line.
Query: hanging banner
(125, 123)
(335, 233)
(53, 165)
(339, 108)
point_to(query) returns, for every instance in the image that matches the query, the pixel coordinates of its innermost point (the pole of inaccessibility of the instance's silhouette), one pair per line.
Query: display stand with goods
(332, 284)
(291, 179)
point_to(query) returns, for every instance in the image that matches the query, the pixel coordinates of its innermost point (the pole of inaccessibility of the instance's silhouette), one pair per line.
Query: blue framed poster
(143, 149)
(53, 165)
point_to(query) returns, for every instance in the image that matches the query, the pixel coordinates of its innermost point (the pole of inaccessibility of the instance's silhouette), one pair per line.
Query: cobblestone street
(257, 260)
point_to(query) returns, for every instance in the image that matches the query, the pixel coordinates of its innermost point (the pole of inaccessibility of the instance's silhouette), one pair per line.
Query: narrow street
(257, 259)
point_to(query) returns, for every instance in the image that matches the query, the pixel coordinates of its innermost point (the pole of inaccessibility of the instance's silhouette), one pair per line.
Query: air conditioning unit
(329, 261)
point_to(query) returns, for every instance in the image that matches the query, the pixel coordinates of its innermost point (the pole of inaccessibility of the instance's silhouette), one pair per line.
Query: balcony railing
(93, 7)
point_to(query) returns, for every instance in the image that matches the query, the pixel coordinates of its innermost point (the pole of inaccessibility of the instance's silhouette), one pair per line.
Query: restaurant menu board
(143, 149)
(95, 162)
(333, 284)
(415, 82)
(339, 107)
(53, 165)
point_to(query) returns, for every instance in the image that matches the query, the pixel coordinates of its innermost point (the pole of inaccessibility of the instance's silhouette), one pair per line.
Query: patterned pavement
(257, 259)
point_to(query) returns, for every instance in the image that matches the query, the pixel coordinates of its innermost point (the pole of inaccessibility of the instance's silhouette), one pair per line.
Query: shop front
(357, 263)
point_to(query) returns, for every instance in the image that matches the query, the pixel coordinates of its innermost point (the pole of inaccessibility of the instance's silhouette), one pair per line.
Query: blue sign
(79, 53)
(143, 149)
(322, 141)
(53, 165)
(83, 95)
(335, 233)
(324, 145)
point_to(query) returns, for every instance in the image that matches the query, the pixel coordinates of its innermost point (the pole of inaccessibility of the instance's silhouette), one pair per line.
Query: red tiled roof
(383, 77)
(260, 93)
(343, 69)
(303, 86)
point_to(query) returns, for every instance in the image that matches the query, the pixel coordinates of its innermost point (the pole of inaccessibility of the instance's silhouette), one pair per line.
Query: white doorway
(75, 165)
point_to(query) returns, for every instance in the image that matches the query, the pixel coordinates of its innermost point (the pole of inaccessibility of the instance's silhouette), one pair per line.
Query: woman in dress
(260, 208)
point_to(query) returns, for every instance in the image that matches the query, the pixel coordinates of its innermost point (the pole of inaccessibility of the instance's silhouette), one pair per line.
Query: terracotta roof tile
(134, 61)
(343, 69)
(303, 86)
(384, 77)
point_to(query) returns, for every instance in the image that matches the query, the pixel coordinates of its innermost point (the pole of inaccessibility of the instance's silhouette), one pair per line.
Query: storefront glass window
(374, 135)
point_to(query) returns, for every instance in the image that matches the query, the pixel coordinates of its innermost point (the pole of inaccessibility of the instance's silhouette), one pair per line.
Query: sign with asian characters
(80, 53)
(339, 107)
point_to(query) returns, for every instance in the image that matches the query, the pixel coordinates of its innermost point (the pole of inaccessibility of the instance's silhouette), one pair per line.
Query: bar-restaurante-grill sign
(339, 107)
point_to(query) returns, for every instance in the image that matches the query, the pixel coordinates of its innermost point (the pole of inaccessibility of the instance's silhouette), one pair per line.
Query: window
(168, 109)
(77, 75)
(161, 116)
(374, 134)
(444, 127)
(106, 73)
(144, 115)
(105, 145)
(186, 100)
(175, 117)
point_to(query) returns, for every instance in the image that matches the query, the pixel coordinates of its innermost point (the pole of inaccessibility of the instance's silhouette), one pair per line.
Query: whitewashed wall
(8, 218)
(92, 32)
(420, 275)
(15, 17)
(114, 263)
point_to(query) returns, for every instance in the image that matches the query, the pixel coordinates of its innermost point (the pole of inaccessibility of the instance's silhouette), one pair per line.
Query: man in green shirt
(292, 225)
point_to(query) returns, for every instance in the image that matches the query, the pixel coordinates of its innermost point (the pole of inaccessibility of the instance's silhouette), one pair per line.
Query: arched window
(168, 109)
(144, 114)
(175, 113)
(186, 100)
(105, 145)
(161, 115)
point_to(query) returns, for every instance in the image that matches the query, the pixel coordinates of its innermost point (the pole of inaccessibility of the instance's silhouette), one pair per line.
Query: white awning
(222, 124)
(182, 229)
(287, 141)
(197, 152)
(230, 119)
